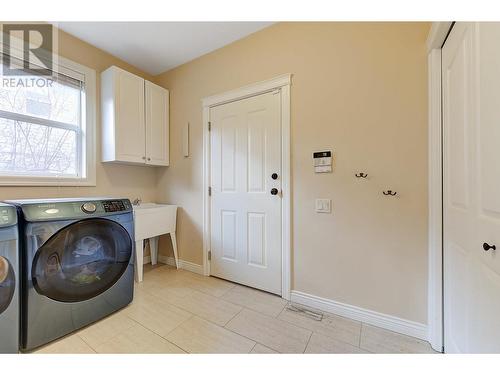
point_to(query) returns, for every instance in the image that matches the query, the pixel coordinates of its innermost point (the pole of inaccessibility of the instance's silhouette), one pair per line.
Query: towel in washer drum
(82, 260)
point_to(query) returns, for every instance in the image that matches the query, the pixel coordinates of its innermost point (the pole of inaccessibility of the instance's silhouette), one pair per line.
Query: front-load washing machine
(76, 262)
(9, 280)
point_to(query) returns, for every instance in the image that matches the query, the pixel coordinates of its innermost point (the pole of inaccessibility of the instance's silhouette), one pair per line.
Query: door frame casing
(437, 36)
(282, 83)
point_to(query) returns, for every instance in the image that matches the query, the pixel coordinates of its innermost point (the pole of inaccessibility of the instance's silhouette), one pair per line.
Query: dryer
(77, 264)
(9, 280)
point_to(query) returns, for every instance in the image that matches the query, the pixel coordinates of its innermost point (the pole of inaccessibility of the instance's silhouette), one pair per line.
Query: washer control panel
(113, 206)
(89, 207)
(8, 215)
(66, 209)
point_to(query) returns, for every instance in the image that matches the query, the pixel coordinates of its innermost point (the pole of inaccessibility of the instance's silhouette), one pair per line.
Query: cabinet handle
(143, 158)
(149, 159)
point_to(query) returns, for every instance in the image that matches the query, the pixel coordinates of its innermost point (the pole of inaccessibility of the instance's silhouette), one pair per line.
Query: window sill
(45, 181)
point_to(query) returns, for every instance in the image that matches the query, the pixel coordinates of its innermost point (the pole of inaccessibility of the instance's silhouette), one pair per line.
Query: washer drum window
(82, 260)
(7, 284)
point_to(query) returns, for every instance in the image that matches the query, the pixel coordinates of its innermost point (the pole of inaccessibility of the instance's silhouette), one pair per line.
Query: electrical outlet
(324, 206)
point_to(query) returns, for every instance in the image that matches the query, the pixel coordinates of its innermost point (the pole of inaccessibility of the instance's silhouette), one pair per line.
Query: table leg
(153, 247)
(139, 260)
(174, 247)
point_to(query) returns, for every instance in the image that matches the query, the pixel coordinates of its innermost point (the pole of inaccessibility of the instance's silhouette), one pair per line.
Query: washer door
(82, 260)
(7, 284)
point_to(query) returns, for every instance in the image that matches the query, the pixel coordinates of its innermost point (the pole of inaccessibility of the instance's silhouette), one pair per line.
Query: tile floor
(176, 311)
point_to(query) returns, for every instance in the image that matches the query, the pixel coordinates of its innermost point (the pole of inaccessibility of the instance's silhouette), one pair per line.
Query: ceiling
(155, 47)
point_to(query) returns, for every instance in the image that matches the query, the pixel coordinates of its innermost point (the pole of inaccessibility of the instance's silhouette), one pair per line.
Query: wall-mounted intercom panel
(322, 161)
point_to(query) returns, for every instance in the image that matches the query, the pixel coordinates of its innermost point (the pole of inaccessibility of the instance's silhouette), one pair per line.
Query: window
(47, 127)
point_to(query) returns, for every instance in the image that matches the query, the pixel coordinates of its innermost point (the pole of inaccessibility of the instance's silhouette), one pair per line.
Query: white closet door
(245, 215)
(471, 124)
(157, 125)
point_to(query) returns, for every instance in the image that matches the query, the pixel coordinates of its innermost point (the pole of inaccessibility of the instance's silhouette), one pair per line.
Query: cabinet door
(130, 130)
(157, 125)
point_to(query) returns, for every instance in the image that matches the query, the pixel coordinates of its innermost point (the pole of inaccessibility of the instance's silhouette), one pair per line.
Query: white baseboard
(183, 264)
(390, 322)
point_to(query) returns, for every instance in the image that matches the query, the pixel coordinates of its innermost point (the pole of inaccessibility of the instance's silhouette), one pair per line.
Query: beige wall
(112, 180)
(360, 90)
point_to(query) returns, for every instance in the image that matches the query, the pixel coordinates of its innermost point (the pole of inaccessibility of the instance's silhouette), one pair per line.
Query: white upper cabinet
(135, 119)
(123, 122)
(157, 124)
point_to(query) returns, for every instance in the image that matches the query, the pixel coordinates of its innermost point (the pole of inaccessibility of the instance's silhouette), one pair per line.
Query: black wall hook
(361, 175)
(389, 192)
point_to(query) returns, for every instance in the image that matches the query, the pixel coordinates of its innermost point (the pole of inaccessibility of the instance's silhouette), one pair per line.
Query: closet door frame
(435, 41)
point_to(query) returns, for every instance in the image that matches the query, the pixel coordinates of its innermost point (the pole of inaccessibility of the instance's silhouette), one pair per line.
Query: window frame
(86, 136)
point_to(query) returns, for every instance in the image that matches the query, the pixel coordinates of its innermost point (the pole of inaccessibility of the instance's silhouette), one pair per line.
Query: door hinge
(209, 126)
(209, 255)
(209, 191)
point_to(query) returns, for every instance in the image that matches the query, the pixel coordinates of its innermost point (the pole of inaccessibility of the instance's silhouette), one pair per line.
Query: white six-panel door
(471, 204)
(245, 143)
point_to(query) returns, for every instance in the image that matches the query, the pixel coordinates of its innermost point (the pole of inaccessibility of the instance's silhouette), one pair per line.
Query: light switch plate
(324, 206)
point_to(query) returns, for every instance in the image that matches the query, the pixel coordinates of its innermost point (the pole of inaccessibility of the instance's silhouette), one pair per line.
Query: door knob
(486, 247)
(274, 191)
(274, 176)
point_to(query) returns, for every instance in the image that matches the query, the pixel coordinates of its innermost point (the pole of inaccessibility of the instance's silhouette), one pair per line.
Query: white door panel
(458, 118)
(485, 334)
(228, 235)
(485, 309)
(456, 113)
(157, 125)
(471, 140)
(257, 239)
(489, 124)
(130, 102)
(245, 218)
(456, 280)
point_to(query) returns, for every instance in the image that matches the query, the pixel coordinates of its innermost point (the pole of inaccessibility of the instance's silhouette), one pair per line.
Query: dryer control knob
(89, 208)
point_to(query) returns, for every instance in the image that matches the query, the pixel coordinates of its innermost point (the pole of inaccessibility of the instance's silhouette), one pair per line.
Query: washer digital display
(113, 206)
